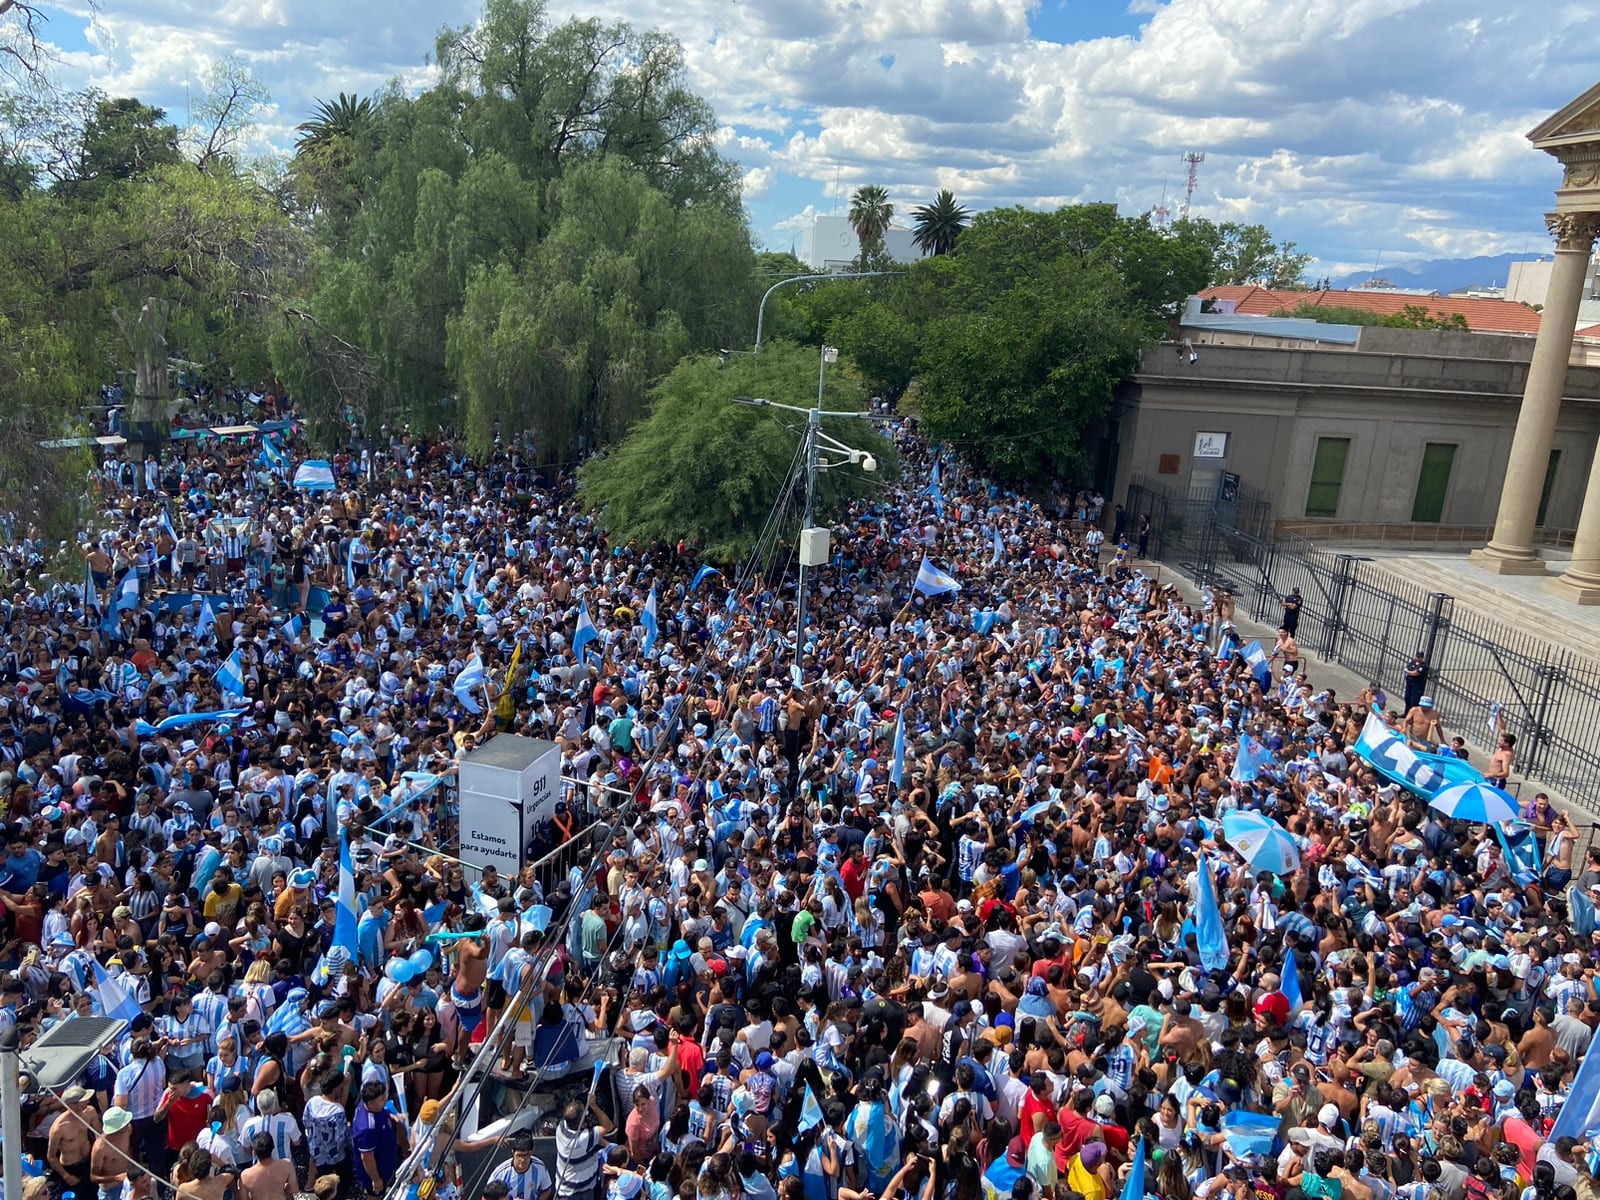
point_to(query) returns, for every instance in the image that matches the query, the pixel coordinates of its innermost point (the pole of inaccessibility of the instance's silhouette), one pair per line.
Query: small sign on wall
(1168, 464)
(1211, 445)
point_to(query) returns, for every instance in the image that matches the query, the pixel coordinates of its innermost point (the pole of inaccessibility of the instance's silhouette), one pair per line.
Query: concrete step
(1518, 601)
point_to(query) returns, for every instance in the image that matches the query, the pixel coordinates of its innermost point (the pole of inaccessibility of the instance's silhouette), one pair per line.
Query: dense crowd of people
(907, 912)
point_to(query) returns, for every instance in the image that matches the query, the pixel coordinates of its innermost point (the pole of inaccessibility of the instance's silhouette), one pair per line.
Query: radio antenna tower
(1191, 159)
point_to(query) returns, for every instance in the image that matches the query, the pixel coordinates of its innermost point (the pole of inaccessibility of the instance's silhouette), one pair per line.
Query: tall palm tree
(331, 119)
(939, 224)
(870, 211)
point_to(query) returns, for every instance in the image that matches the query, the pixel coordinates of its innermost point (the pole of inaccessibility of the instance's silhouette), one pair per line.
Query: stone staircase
(1519, 601)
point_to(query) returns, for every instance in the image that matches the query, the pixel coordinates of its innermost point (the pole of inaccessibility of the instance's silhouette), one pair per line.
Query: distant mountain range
(1443, 275)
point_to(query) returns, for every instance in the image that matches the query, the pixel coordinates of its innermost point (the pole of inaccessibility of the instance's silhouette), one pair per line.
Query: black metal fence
(1371, 623)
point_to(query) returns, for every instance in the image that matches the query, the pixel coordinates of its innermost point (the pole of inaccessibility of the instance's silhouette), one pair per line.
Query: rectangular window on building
(1549, 486)
(1433, 480)
(1327, 476)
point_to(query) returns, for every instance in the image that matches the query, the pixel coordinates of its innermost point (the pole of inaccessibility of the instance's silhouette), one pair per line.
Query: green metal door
(1432, 482)
(1327, 477)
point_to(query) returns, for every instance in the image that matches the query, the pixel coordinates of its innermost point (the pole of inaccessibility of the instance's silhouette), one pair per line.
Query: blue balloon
(400, 970)
(420, 960)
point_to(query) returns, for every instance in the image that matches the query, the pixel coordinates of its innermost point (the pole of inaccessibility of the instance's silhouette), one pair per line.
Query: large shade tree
(529, 243)
(707, 469)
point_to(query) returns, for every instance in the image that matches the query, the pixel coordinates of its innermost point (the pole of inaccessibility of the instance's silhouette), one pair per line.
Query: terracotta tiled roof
(1588, 331)
(1490, 316)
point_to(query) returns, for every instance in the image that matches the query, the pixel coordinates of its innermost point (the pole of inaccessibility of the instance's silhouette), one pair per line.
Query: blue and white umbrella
(1261, 842)
(1480, 803)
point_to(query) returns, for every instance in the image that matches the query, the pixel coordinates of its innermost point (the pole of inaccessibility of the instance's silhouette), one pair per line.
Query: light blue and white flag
(230, 675)
(127, 594)
(1290, 984)
(931, 581)
(91, 598)
(999, 550)
(166, 525)
(345, 945)
(292, 628)
(1254, 758)
(584, 633)
(314, 475)
(469, 680)
(1260, 665)
(113, 997)
(1209, 937)
(701, 576)
(936, 487)
(350, 563)
(647, 618)
(275, 457)
(207, 620)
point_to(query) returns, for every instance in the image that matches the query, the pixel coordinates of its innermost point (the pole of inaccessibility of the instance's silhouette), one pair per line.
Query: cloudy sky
(1357, 128)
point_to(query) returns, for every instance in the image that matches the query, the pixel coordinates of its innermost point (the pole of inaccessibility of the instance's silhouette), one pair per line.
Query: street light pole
(815, 442)
(761, 313)
(813, 429)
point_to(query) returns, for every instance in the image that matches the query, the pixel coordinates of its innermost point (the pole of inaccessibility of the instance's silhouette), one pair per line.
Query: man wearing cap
(110, 1159)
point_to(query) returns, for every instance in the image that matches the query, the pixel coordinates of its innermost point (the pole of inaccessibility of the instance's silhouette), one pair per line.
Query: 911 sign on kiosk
(507, 785)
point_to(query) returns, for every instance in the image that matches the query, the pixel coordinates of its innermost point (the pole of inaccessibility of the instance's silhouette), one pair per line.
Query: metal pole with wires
(11, 1117)
(810, 556)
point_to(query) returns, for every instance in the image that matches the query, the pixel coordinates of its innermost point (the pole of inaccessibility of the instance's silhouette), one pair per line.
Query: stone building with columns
(1572, 137)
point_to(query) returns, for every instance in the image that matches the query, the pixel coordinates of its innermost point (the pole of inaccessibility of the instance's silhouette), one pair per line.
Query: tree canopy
(1246, 253)
(702, 467)
(1010, 345)
(532, 241)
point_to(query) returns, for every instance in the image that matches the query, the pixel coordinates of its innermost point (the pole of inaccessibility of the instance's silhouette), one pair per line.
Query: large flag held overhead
(1209, 937)
(1425, 774)
(469, 680)
(931, 581)
(585, 632)
(314, 475)
(701, 576)
(647, 618)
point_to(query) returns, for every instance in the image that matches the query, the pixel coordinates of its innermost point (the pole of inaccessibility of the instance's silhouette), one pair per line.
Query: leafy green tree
(624, 285)
(705, 468)
(869, 215)
(939, 224)
(529, 243)
(123, 139)
(1243, 254)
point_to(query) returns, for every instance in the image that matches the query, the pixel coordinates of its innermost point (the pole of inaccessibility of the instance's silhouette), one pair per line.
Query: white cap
(1329, 1115)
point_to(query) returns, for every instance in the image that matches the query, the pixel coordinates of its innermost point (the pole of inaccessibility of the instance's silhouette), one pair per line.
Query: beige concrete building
(1406, 427)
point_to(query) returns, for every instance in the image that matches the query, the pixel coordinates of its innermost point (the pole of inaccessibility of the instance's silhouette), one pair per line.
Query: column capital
(1573, 230)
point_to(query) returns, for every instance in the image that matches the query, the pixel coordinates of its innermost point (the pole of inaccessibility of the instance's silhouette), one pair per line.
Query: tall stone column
(1510, 551)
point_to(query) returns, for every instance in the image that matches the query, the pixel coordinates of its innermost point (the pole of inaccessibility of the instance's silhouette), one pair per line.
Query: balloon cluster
(406, 968)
